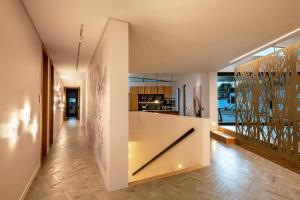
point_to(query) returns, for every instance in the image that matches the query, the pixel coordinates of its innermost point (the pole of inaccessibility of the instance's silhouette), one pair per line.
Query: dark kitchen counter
(170, 112)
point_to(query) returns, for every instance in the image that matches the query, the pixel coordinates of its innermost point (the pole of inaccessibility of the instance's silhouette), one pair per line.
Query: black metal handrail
(165, 150)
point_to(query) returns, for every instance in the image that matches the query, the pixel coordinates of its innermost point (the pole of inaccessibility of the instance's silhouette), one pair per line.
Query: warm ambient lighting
(24, 115)
(34, 128)
(179, 166)
(14, 128)
(19, 122)
(57, 87)
(213, 123)
(266, 45)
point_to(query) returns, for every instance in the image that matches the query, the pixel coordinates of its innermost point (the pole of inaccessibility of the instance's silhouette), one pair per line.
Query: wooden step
(223, 137)
(227, 131)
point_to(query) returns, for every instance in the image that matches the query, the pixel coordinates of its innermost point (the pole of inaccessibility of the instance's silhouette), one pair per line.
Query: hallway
(70, 172)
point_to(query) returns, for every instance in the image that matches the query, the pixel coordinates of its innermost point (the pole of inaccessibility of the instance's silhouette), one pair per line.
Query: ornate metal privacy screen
(268, 104)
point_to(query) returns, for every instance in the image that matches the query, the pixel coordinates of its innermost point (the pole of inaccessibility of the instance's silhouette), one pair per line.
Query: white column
(213, 100)
(118, 67)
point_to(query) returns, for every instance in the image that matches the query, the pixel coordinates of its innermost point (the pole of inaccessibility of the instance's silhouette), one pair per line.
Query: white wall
(150, 133)
(191, 81)
(58, 117)
(20, 86)
(213, 100)
(107, 100)
(83, 102)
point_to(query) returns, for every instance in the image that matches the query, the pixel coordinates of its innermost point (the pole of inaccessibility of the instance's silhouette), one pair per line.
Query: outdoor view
(226, 99)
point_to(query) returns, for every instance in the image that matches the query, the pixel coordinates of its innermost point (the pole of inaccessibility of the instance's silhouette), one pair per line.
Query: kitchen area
(152, 93)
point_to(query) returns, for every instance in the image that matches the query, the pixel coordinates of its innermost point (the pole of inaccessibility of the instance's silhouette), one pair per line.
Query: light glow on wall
(25, 115)
(213, 124)
(58, 98)
(14, 129)
(34, 128)
(19, 123)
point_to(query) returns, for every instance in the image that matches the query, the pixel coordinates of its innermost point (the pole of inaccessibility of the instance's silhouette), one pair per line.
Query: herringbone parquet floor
(70, 172)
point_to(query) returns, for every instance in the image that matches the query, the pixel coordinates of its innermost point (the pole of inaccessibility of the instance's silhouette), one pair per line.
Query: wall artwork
(268, 105)
(197, 100)
(95, 116)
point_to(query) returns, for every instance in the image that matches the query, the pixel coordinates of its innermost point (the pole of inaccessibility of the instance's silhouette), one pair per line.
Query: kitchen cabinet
(160, 89)
(168, 92)
(134, 104)
(134, 90)
(153, 90)
(150, 90)
(141, 89)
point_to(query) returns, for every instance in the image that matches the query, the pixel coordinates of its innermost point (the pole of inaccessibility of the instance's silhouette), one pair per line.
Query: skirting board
(30, 182)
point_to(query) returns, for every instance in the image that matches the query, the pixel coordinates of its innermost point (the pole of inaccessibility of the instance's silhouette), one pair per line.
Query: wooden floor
(70, 172)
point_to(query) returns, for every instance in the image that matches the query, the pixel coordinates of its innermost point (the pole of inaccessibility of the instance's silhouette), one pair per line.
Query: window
(226, 98)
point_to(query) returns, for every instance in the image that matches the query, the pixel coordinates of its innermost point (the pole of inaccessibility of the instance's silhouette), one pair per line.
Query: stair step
(223, 137)
(227, 131)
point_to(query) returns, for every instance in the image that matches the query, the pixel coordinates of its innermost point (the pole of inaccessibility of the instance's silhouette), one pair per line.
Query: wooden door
(51, 123)
(45, 110)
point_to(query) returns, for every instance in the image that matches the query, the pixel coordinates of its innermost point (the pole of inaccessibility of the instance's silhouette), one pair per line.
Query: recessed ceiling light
(265, 45)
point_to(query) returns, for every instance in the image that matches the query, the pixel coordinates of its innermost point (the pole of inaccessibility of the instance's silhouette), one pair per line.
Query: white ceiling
(285, 43)
(182, 36)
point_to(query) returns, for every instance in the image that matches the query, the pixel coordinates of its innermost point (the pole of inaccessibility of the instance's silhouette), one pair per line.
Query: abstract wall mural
(96, 87)
(268, 105)
(197, 100)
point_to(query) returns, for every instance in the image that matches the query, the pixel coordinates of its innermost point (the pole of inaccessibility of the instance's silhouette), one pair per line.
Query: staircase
(224, 135)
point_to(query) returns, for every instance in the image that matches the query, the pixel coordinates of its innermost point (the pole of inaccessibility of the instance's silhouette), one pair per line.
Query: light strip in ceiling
(265, 45)
(79, 46)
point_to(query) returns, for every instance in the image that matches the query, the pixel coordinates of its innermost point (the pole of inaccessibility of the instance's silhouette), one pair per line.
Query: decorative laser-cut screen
(268, 104)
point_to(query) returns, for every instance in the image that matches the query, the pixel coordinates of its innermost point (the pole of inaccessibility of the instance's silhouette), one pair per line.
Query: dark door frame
(178, 99)
(184, 100)
(65, 100)
(45, 98)
(51, 104)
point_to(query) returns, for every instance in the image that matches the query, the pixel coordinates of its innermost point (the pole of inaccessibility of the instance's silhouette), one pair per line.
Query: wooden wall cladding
(268, 104)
